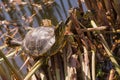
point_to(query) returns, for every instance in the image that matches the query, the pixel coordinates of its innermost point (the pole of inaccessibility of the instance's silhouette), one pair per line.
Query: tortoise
(37, 41)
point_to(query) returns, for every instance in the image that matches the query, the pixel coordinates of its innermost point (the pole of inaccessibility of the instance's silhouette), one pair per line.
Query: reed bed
(87, 43)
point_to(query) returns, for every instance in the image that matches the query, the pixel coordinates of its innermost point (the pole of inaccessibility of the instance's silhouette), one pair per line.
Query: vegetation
(87, 43)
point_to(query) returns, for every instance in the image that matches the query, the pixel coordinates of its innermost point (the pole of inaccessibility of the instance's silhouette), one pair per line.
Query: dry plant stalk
(80, 34)
(112, 73)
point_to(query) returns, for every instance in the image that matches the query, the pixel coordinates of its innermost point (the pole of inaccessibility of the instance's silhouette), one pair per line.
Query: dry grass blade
(112, 73)
(10, 55)
(17, 75)
(86, 64)
(117, 5)
(107, 49)
(93, 65)
(94, 29)
(34, 68)
(3, 74)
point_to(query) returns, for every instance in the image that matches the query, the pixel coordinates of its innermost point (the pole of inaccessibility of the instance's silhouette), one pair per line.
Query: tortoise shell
(39, 40)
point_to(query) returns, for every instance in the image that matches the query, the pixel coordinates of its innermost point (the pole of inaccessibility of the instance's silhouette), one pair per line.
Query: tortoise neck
(16, 43)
